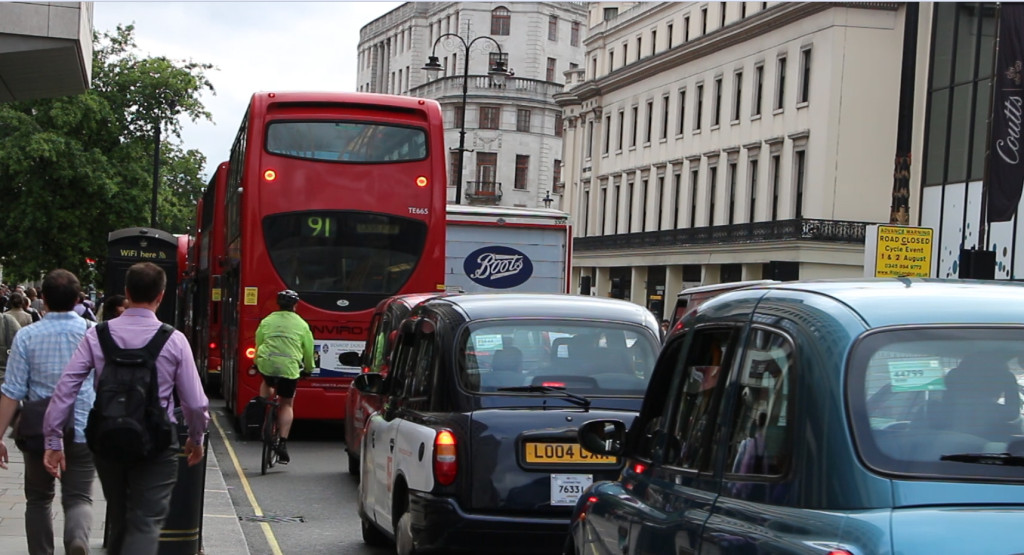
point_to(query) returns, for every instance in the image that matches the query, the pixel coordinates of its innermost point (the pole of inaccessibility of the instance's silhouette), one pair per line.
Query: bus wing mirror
(350, 358)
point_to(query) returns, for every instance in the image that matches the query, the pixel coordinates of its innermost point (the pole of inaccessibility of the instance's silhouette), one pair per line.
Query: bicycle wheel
(268, 433)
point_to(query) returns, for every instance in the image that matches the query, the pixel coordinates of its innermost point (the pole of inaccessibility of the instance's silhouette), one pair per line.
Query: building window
(776, 162)
(523, 120)
(639, 47)
(490, 117)
(664, 117)
(553, 27)
(501, 21)
(643, 205)
(636, 122)
(610, 13)
(574, 34)
(721, 18)
(753, 188)
(617, 200)
(625, 53)
(668, 33)
(780, 84)
(694, 176)
(732, 193)
(622, 128)
(682, 111)
(487, 171)
(611, 60)
(460, 116)
(716, 114)
(453, 168)
(737, 95)
(805, 75)
(712, 178)
(556, 177)
(743, 10)
(755, 110)
(522, 170)
(799, 169)
(590, 139)
(650, 121)
(607, 134)
(558, 125)
(699, 107)
(629, 207)
(686, 29)
(704, 21)
(659, 194)
(654, 41)
(550, 75)
(677, 190)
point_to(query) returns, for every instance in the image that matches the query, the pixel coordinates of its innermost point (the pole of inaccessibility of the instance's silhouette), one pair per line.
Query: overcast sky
(255, 46)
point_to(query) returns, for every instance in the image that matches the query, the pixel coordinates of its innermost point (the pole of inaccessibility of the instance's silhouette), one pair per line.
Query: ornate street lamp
(498, 71)
(547, 200)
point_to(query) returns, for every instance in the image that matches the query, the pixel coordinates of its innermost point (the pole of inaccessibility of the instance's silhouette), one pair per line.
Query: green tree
(73, 169)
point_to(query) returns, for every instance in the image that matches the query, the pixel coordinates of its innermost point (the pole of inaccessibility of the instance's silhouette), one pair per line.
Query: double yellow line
(274, 547)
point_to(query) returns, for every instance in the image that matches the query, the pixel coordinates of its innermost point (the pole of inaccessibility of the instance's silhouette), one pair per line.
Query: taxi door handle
(392, 444)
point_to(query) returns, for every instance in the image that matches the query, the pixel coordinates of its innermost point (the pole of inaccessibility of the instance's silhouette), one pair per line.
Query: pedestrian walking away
(38, 356)
(9, 327)
(284, 352)
(137, 491)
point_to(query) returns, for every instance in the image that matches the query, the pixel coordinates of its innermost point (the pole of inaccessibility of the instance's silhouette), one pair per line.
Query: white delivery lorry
(498, 249)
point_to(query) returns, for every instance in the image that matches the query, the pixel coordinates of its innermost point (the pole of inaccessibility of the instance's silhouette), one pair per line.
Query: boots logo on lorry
(498, 267)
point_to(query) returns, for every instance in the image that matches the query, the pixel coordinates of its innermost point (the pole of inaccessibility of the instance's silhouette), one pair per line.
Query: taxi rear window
(590, 359)
(939, 401)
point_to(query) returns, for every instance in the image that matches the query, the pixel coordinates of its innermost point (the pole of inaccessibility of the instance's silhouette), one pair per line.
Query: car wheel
(403, 535)
(353, 465)
(372, 536)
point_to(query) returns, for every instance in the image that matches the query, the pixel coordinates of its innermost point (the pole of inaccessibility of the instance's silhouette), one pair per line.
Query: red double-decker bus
(205, 292)
(340, 197)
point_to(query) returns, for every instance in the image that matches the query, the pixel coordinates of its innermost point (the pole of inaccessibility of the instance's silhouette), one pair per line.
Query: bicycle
(269, 434)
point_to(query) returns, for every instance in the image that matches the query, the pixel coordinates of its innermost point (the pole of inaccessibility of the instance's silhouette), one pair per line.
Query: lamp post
(497, 71)
(547, 200)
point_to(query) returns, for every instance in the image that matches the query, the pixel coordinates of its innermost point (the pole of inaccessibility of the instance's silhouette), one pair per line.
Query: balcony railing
(516, 87)
(829, 231)
(483, 192)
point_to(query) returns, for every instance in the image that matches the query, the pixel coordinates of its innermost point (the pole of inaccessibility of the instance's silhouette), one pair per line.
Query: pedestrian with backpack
(38, 356)
(140, 364)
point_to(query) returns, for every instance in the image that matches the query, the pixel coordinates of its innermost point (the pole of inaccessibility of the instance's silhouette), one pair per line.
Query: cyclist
(284, 351)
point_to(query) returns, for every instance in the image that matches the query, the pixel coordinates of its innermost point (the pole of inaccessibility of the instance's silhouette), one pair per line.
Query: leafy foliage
(73, 169)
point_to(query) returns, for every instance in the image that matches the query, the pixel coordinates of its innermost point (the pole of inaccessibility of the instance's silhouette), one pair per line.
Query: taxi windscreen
(940, 401)
(598, 359)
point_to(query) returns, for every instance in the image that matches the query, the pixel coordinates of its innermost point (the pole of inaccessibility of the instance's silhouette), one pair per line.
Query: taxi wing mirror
(350, 358)
(371, 383)
(603, 437)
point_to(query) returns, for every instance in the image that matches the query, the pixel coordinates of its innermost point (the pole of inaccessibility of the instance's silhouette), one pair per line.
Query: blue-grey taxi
(475, 448)
(859, 417)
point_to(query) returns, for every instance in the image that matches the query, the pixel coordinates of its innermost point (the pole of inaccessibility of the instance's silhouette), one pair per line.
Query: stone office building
(708, 142)
(513, 130)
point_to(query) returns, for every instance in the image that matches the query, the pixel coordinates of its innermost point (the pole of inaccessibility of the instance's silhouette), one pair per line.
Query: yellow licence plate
(563, 453)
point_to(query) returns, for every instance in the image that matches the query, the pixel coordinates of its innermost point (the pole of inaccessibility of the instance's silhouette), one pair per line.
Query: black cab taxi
(476, 443)
(858, 417)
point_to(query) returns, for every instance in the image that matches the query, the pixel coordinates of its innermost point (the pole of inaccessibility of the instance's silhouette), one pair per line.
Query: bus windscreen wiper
(1005, 459)
(572, 397)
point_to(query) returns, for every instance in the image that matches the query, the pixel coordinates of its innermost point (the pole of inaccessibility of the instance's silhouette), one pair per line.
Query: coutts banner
(1006, 157)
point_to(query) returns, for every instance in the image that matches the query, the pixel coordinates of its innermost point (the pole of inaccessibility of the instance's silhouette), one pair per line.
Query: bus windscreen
(344, 252)
(351, 142)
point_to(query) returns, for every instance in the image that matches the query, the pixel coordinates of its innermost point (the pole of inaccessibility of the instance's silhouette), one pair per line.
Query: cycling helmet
(287, 299)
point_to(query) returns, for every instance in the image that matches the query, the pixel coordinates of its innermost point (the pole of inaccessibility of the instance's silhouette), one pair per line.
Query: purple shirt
(175, 369)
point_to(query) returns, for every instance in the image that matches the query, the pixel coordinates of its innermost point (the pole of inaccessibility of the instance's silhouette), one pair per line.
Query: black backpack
(127, 422)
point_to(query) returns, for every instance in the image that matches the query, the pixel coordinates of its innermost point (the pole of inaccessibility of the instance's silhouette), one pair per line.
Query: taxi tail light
(639, 468)
(213, 345)
(839, 552)
(553, 384)
(250, 353)
(446, 463)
